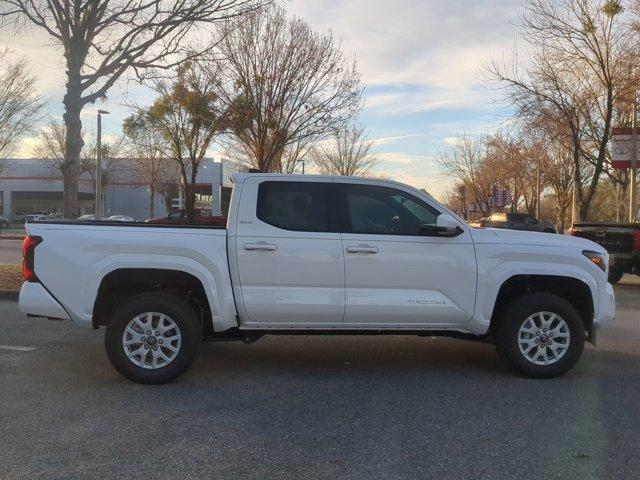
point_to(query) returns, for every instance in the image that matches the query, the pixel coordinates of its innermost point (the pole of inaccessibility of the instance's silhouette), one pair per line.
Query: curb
(9, 294)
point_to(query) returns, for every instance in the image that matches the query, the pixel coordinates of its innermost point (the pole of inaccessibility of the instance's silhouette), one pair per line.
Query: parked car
(621, 240)
(120, 218)
(4, 223)
(86, 217)
(202, 216)
(18, 217)
(53, 216)
(315, 254)
(34, 216)
(517, 221)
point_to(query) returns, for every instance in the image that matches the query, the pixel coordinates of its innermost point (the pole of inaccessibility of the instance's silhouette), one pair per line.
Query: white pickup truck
(308, 254)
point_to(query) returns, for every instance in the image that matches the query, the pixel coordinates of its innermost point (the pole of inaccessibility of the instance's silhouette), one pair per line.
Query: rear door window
(296, 206)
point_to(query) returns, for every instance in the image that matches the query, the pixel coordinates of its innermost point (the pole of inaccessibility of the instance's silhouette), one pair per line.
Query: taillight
(28, 248)
(636, 240)
(572, 232)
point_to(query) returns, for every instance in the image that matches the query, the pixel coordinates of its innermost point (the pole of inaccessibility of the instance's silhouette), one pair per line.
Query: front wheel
(616, 272)
(540, 335)
(152, 338)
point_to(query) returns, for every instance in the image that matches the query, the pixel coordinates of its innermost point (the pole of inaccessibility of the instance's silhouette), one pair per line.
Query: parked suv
(34, 216)
(517, 221)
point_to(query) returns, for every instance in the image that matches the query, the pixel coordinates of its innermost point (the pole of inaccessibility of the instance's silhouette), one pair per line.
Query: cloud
(451, 141)
(395, 138)
(439, 46)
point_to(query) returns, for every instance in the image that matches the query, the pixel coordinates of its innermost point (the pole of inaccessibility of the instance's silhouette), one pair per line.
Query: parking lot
(317, 407)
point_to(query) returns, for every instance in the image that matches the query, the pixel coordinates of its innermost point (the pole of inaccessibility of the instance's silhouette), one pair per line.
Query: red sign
(621, 148)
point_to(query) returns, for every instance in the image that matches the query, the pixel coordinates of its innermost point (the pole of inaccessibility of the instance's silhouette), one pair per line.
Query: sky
(422, 70)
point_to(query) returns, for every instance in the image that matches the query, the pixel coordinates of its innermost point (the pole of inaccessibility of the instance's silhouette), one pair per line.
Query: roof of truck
(239, 178)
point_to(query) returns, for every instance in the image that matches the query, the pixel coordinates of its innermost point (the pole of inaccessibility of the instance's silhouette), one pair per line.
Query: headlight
(600, 259)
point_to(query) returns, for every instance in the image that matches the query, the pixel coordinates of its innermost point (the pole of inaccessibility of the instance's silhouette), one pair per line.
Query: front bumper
(606, 311)
(35, 300)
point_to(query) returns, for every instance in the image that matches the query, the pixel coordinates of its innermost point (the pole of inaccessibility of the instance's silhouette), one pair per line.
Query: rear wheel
(540, 335)
(153, 338)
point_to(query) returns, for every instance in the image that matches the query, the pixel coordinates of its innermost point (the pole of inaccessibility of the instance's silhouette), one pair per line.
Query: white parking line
(17, 348)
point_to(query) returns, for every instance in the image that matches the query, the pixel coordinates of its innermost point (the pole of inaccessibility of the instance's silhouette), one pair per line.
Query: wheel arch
(574, 290)
(122, 283)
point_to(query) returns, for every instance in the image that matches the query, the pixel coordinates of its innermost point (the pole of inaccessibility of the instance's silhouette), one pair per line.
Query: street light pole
(98, 188)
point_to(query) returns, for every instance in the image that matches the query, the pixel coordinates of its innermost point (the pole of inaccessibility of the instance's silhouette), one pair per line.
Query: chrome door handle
(362, 249)
(260, 246)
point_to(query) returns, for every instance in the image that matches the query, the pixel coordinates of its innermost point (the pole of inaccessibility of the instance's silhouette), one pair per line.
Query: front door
(397, 270)
(290, 263)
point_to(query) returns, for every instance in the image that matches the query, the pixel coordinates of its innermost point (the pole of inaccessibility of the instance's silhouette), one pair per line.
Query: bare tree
(515, 158)
(20, 107)
(50, 147)
(346, 152)
(284, 86)
(577, 71)
(187, 116)
(146, 149)
(111, 161)
(168, 181)
(104, 39)
(464, 161)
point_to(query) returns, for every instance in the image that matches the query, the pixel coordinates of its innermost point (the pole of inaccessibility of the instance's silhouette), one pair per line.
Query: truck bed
(112, 223)
(74, 257)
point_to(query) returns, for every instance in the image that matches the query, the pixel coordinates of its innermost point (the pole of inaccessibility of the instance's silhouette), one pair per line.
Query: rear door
(290, 264)
(398, 272)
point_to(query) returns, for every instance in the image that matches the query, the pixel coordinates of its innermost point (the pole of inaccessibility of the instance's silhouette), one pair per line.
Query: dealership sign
(621, 148)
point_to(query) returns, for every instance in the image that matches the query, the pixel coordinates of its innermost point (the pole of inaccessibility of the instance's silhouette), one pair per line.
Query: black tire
(615, 274)
(516, 314)
(179, 311)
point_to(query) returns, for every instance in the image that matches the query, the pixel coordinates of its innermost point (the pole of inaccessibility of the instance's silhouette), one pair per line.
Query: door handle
(362, 249)
(260, 246)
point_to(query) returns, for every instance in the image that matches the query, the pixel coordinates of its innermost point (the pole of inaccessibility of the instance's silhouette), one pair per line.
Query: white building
(28, 185)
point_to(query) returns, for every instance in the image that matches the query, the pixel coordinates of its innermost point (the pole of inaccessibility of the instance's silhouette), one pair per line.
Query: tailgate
(612, 238)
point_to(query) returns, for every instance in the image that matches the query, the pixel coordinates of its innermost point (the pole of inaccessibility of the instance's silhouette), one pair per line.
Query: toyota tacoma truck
(313, 254)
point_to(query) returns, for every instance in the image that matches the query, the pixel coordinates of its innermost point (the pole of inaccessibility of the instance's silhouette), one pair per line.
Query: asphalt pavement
(318, 407)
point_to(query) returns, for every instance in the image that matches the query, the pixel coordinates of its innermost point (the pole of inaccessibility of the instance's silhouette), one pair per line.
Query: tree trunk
(190, 193)
(73, 142)
(152, 202)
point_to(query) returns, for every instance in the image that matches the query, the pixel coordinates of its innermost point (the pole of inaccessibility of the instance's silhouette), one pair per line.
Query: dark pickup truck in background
(517, 221)
(621, 240)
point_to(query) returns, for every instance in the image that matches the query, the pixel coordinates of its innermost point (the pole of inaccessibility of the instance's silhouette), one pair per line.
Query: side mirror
(447, 226)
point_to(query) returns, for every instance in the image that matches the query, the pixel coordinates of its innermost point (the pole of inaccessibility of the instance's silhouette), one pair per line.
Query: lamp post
(98, 188)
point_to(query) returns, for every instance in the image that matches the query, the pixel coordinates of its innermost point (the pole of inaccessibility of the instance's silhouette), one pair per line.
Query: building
(29, 185)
